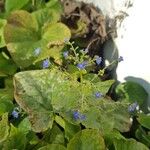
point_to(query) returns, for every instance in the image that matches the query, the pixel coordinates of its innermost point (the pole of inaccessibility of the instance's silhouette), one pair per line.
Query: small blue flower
(82, 65)
(133, 107)
(37, 51)
(98, 60)
(120, 59)
(65, 54)
(98, 95)
(76, 115)
(82, 117)
(15, 114)
(46, 63)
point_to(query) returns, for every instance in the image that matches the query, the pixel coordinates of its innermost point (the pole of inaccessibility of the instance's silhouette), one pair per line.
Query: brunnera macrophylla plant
(54, 96)
(55, 101)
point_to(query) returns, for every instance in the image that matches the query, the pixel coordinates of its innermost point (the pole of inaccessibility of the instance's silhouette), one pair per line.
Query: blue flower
(120, 59)
(82, 65)
(78, 116)
(37, 51)
(65, 54)
(98, 95)
(98, 60)
(82, 117)
(133, 107)
(15, 114)
(46, 63)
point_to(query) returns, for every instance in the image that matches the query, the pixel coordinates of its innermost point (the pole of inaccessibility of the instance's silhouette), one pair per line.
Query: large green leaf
(130, 144)
(87, 139)
(132, 91)
(37, 91)
(144, 120)
(2, 24)
(24, 34)
(4, 128)
(16, 4)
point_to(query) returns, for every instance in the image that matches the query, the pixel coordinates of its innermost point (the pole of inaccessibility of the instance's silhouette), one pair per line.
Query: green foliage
(15, 5)
(132, 91)
(88, 139)
(7, 66)
(24, 33)
(66, 106)
(40, 94)
(144, 120)
(130, 144)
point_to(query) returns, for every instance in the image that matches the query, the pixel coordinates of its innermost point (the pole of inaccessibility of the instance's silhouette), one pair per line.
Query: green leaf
(16, 4)
(104, 86)
(2, 24)
(69, 128)
(46, 15)
(7, 66)
(5, 106)
(24, 125)
(132, 91)
(54, 135)
(108, 116)
(38, 91)
(142, 136)
(53, 147)
(7, 93)
(130, 144)
(4, 128)
(88, 139)
(144, 120)
(16, 140)
(23, 34)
